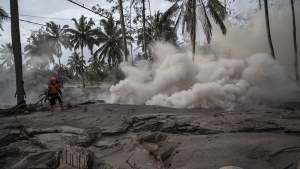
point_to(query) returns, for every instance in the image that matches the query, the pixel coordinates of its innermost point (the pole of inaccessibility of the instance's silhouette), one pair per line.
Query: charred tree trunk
(194, 30)
(144, 29)
(295, 42)
(16, 43)
(268, 28)
(123, 30)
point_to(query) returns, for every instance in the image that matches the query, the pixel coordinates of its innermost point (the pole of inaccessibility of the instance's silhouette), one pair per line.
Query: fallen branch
(127, 161)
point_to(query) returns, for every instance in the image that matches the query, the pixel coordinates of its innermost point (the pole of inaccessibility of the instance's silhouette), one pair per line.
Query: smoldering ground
(238, 74)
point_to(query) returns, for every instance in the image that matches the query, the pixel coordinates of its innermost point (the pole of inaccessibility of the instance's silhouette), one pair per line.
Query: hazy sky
(62, 9)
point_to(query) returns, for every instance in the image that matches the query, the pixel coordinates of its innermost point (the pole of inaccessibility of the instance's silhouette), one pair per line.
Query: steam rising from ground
(239, 74)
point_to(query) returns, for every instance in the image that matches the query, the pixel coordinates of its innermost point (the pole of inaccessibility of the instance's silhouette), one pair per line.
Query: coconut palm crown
(81, 36)
(111, 40)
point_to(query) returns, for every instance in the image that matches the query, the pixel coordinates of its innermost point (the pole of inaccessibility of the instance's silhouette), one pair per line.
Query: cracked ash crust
(127, 136)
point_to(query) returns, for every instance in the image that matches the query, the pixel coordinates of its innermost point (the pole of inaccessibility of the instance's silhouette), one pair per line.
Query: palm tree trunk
(194, 30)
(59, 73)
(144, 29)
(16, 43)
(77, 80)
(268, 29)
(123, 30)
(295, 43)
(82, 65)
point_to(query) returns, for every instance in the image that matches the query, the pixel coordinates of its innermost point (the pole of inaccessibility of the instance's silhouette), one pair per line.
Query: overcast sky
(62, 9)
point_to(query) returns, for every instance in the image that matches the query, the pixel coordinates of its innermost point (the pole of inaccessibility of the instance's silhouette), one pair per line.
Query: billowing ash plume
(239, 75)
(227, 83)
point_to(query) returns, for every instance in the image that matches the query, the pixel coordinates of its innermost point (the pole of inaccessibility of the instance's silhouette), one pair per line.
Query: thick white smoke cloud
(175, 73)
(239, 74)
(227, 83)
(249, 83)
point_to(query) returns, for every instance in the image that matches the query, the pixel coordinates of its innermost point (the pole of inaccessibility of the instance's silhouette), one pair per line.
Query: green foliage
(113, 75)
(7, 55)
(81, 36)
(63, 72)
(39, 51)
(57, 37)
(95, 70)
(204, 11)
(109, 36)
(159, 28)
(3, 16)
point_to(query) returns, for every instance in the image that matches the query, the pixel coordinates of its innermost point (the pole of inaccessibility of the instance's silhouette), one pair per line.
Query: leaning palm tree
(57, 37)
(81, 36)
(111, 40)
(7, 55)
(190, 10)
(16, 43)
(74, 63)
(3, 16)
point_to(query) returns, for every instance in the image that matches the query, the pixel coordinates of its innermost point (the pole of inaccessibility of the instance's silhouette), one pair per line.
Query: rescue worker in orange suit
(54, 93)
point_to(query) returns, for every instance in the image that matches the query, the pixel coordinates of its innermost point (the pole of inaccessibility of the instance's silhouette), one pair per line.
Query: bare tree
(16, 43)
(268, 28)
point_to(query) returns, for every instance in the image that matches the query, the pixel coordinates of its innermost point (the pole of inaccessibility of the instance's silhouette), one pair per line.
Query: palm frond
(215, 15)
(169, 14)
(218, 8)
(178, 20)
(206, 25)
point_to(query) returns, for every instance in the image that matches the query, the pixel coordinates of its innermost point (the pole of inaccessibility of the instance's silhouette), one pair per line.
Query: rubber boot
(51, 108)
(62, 106)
